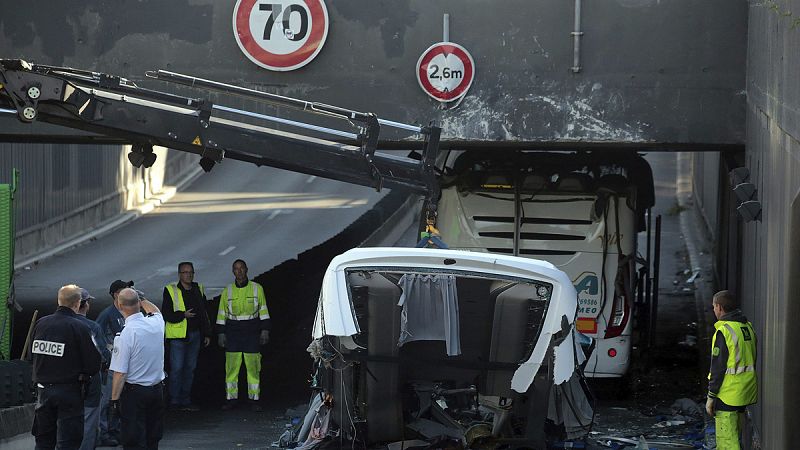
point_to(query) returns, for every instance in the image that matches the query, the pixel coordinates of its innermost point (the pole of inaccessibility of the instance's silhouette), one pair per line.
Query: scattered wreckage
(455, 348)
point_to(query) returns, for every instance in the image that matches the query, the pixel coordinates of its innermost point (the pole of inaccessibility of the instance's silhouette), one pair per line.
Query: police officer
(64, 357)
(732, 380)
(91, 401)
(137, 394)
(243, 322)
(111, 322)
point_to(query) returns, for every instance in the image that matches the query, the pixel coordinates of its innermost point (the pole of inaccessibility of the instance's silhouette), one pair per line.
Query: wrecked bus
(579, 211)
(433, 344)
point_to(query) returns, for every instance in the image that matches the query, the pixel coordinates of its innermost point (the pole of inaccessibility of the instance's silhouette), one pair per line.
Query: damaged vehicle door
(436, 344)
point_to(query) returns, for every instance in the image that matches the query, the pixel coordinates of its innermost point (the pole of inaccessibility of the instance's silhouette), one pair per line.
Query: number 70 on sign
(274, 10)
(280, 34)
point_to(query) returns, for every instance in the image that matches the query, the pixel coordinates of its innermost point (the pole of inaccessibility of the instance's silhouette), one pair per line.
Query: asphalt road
(262, 215)
(670, 369)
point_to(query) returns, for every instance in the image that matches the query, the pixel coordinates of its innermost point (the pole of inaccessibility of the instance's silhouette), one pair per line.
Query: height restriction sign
(445, 71)
(280, 34)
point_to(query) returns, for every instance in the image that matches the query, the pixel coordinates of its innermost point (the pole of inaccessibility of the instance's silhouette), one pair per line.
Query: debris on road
(687, 407)
(669, 423)
(641, 442)
(690, 341)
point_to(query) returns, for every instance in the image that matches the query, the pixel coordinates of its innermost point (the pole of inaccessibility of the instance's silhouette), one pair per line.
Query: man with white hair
(137, 393)
(64, 356)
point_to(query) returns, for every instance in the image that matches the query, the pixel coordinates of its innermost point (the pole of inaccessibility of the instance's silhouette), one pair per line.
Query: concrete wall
(652, 72)
(65, 191)
(15, 427)
(770, 249)
(705, 184)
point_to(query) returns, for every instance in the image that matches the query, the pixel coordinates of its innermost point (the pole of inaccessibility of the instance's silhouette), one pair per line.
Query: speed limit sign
(280, 34)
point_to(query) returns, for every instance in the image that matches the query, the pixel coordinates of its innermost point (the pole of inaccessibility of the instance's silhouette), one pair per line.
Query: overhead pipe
(576, 39)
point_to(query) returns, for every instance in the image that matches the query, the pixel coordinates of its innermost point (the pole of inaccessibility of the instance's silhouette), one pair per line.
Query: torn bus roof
(336, 314)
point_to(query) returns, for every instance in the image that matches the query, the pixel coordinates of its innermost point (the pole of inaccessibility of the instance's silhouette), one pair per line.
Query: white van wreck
(434, 344)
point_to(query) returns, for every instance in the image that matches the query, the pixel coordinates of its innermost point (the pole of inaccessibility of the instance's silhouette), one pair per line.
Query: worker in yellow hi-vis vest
(186, 328)
(243, 322)
(732, 380)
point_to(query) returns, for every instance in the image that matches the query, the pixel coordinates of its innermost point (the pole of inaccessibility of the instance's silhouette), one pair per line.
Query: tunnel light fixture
(750, 210)
(738, 176)
(745, 191)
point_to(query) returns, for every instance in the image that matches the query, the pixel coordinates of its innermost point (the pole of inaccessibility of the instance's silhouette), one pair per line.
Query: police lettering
(48, 348)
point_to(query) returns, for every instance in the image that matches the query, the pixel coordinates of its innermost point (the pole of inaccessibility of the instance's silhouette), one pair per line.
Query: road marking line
(227, 250)
(311, 179)
(160, 272)
(274, 214)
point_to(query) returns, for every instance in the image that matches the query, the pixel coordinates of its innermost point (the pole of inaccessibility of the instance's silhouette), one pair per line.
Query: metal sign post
(445, 70)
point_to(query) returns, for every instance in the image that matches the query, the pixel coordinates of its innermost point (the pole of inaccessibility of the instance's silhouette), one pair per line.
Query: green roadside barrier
(7, 265)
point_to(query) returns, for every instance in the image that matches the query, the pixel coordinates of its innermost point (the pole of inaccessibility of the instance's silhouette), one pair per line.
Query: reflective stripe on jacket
(243, 303)
(740, 384)
(177, 330)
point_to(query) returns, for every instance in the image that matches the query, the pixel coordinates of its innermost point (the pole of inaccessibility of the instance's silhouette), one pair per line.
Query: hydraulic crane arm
(116, 107)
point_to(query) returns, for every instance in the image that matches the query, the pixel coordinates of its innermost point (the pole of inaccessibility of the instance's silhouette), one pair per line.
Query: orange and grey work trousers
(233, 363)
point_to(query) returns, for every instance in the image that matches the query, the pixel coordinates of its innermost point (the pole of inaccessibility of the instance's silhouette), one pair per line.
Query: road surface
(262, 215)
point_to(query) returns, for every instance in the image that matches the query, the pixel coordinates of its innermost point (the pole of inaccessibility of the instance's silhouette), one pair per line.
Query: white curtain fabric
(568, 405)
(430, 310)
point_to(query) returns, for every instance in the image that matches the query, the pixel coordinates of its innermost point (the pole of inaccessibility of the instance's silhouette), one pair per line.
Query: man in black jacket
(732, 378)
(187, 324)
(91, 400)
(64, 356)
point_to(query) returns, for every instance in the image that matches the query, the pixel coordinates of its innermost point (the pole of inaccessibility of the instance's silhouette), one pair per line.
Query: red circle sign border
(281, 63)
(427, 56)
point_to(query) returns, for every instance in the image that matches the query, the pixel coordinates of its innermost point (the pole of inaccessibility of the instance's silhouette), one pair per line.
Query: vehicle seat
(613, 182)
(510, 322)
(535, 183)
(575, 182)
(497, 180)
(383, 329)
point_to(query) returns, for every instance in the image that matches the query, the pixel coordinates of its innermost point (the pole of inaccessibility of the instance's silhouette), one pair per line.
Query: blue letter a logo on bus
(587, 282)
